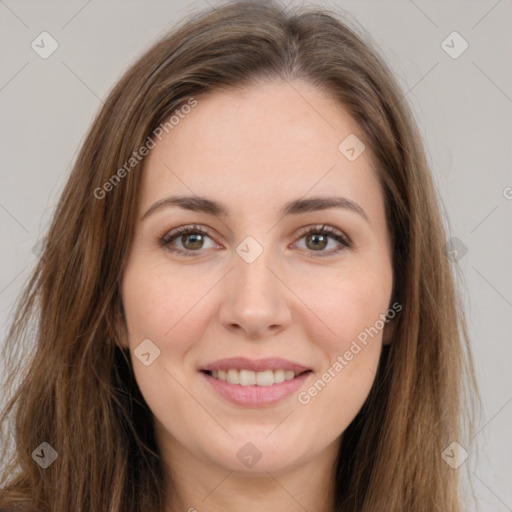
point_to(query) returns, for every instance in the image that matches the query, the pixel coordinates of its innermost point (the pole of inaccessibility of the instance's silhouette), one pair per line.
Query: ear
(121, 334)
(120, 328)
(389, 332)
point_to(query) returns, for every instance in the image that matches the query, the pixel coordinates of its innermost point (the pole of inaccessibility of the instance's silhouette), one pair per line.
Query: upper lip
(256, 365)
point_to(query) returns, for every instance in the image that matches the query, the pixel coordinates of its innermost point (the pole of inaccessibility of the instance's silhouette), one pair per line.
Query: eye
(317, 239)
(190, 237)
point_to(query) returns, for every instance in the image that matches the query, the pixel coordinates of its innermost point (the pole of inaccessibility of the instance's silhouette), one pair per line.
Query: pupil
(316, 238)
(196, 241)
(318, 241)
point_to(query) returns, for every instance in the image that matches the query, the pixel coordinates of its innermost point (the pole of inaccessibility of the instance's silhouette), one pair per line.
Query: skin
(255, 149)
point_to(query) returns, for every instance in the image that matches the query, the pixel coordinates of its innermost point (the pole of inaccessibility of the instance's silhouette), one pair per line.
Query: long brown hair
(76, 389)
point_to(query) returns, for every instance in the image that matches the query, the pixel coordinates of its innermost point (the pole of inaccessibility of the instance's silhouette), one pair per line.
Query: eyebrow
(295, 207)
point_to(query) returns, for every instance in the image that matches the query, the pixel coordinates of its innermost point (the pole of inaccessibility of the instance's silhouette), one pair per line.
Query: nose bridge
(255, 297)
(254, 282)
(254, 274)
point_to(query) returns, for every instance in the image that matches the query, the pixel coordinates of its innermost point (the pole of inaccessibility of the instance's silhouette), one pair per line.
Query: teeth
(250, 378)
(233, 376)
(279, 376)
(246, 378)
(265, 378)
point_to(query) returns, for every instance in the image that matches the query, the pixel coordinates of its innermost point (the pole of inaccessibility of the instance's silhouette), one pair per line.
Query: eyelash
(333, 233)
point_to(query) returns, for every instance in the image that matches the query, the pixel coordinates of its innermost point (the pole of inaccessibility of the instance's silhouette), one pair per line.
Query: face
(303, 289)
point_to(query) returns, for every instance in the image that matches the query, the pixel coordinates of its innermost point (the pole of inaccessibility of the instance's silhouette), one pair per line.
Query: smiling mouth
(251, 378)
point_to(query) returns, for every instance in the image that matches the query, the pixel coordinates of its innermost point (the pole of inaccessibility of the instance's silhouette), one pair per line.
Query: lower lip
(255, 396)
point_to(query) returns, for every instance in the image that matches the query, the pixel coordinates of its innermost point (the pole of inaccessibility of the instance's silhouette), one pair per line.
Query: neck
(196, 486)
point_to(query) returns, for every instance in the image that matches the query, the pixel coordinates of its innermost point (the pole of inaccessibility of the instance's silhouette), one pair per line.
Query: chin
(256, 452)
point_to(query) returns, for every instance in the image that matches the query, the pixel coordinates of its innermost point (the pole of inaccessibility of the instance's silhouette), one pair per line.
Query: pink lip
(256, 396)
(256, 365)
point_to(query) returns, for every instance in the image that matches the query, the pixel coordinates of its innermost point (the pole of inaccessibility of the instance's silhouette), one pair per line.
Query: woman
(244, 300)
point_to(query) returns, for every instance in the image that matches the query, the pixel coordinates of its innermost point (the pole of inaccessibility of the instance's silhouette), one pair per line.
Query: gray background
(463, 107)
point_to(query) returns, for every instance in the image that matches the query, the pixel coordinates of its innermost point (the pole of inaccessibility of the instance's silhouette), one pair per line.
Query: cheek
(160, 305)
(166, 308)
(348, 327)
(346, 304)
(353, 315)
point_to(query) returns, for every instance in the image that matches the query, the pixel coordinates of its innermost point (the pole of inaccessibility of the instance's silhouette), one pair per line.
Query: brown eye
(315, 241)
(191, 238)
(193, 241)
(318, 238)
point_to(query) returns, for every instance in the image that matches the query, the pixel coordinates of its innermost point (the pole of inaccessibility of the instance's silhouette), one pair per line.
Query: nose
(256, 301)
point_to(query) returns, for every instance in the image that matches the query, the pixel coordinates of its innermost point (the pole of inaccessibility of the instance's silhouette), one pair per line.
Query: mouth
(263, 378)
(255, 383)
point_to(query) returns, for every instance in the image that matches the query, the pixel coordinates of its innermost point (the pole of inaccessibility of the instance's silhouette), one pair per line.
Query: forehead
(259, 146)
